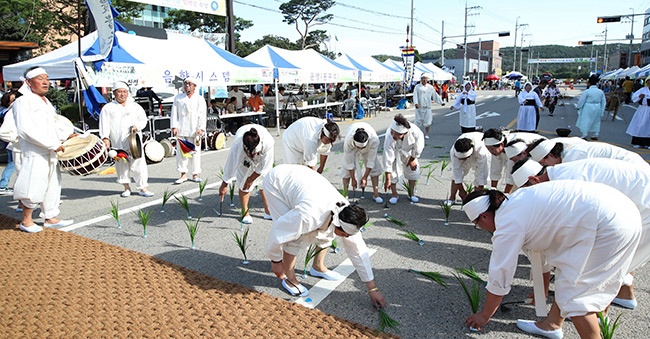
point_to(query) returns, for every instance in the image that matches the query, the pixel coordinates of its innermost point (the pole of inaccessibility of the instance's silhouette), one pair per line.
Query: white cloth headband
(398, 128)
(476, 206)
(347, 227)
(542, 150)
(514, 150)
(463, 155)
(120, 85)
(529, 168)
(326, 132)
(360, 144)
(35, 72)
(258, 148)
(493, 141)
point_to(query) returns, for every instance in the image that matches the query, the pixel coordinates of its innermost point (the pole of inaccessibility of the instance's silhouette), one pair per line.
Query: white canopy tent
(372, 70)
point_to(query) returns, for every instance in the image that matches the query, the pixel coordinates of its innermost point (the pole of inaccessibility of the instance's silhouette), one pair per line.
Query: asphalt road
(424, 309)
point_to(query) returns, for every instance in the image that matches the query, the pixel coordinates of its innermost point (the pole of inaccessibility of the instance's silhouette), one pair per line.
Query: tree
(245, 48)
(308, 12)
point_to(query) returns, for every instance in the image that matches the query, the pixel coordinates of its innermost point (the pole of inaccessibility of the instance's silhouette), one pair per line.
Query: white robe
(601, 150)
(588, 232)
(398, 152)
(115, 121)
(467, 115)
(479, 160)
(591, 107)
(189, 115)
(301, 142)
(640, 123)
(423, 95)
(261, 163)
(301, 202)
(630, 179)
(39, 133)
(500, 163)
(527, 115)
(9, 134)
(368, 155)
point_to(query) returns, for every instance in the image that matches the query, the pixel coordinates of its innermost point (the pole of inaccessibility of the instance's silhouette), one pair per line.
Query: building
(152, 16)
(482, 59)
(645, 39)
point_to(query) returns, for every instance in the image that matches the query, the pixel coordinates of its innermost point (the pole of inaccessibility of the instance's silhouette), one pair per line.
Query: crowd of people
(590, 220)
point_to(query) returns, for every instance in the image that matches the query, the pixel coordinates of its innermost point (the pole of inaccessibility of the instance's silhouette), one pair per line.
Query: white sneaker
(247, 220)
(146, 194)
(125, 194)
(415, 199)
(267, 216)
(31, 229)
(530, 327)
(393, 200)
(426, 137)
(379, 200)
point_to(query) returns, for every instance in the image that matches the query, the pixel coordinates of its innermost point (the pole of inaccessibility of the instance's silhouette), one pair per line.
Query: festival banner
(408, 58)
(214, 7)
(101, 12)
(560, 60)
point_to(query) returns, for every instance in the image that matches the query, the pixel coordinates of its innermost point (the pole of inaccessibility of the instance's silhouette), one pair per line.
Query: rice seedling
(220, 174)
(167, 194)
(411, 235)
(115, 212)
(469, 188)
(145, 217)
(443, 165)
(473, 294)
(312, 251)
(335, 247)
(607, 328)
(386, 322)
(242, 243)
(446, 208)
(232, 193)
(393, 220)
(344, 191)
(242, 215)
(407, 187)
(430, 170)
(365, 227)
(193, 227)
(471, 273)
(202, 185)
(435, 276)
(185, 204)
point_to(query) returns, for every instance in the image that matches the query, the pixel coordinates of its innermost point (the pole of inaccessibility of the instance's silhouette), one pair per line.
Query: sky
(372, 27)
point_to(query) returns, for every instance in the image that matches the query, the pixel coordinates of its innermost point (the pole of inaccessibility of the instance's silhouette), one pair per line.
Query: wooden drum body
(83, 155)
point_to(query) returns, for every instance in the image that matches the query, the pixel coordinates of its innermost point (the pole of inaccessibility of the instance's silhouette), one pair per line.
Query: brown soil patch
(59, 285)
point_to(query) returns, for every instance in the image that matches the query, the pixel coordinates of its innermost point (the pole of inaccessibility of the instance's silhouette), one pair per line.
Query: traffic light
(603, 19)
(585, 43)
(502, 34)
(458, 46)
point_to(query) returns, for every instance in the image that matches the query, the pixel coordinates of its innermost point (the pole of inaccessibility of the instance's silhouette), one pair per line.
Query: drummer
(40, 138)
(118, 120)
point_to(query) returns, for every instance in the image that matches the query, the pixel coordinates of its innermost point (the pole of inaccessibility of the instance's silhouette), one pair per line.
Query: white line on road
(456, 112)
(323, 288)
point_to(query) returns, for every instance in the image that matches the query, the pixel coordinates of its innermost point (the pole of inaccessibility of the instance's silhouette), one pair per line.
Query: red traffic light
(584, 43)
(603, 19)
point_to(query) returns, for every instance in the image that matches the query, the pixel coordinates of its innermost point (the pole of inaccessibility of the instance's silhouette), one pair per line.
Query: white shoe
(146, 194)
(636, 146)
(426, 137)
(529, 326)
(296, 291)
(379, 200)
(31, 229)
(247, 220)
(267, 216)
(61, 223)
(329, 275)
(449, 202)
(125, 194)
(415, 199)
(393, 200)
(180, 181)
(625, 303)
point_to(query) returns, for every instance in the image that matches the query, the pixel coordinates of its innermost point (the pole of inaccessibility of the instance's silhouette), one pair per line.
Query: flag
(102, 13)
(408, 58)
(93, 99)
(187, 148)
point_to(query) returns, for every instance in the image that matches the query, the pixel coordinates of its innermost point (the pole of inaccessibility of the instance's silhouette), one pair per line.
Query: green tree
(306, 13)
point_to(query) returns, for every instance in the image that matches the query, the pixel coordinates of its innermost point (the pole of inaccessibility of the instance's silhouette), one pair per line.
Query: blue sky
(371, 27)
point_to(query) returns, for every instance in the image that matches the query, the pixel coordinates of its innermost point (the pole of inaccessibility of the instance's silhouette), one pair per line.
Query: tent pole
(277, 106)
(81, 115)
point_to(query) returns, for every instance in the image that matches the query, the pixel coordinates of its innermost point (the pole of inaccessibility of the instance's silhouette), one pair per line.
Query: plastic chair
(348, 108)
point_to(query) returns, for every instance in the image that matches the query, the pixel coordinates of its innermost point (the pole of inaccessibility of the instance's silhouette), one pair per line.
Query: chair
(366, 106)
(348, 108)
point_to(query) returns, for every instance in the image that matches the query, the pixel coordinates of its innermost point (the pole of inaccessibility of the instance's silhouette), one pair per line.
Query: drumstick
(221, 207)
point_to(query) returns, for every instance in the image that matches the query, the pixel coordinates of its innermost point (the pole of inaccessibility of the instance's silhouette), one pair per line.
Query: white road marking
(487, 115)
(323, 288)
(456, 112)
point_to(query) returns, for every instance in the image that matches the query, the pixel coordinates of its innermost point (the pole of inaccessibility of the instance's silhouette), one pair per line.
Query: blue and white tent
(372, 70)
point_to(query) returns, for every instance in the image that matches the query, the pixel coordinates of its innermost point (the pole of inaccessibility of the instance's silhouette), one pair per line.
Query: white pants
(194, 162)
(136, 168)
(403, 172)
(39, 183)
(423, 116)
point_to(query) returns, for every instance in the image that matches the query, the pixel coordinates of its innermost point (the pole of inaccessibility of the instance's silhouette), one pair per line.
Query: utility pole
(411, 23)
(521, 53)
(230, 20)
(514, 49)
(467, 9)
(631, 36)
(442, 45)
(605, 62)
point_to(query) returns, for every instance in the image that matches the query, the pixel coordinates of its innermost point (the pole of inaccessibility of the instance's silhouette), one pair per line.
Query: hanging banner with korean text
(101, 12)
(408, 58)
(214, 7)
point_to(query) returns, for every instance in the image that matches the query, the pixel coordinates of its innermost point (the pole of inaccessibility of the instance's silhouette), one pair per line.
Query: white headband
(542, 150)
(347, 227)
(529, 168)
(120, 85)
(35, 72)
(258, 148)
(463, 155)
(493, 141)
(515, 149)
(476, 206)
(398, 128)
(360, 144)
(326, 132)
(191, 79)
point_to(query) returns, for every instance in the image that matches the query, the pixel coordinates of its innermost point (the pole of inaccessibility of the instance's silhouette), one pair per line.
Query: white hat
(424, 75)
(476, 206)
(515, 149)
(528, 168)
(542, 150)
(191, 79)
(120, 85)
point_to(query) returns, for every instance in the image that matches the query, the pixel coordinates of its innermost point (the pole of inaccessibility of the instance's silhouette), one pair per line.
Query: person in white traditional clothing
(639, 127)
(249, 160)
(591, 107)
(360, 156)
(466, 102)
(403, 146)
(188, 121)
(308, 138)
(468, 152)
(631, 179)
(527, 115)
(551, 96)
(308, 210)
(117, 121)
(550, 152)
(9, 134)
(423, 95)
(587, 231)
(495, 141)
(40, 137)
